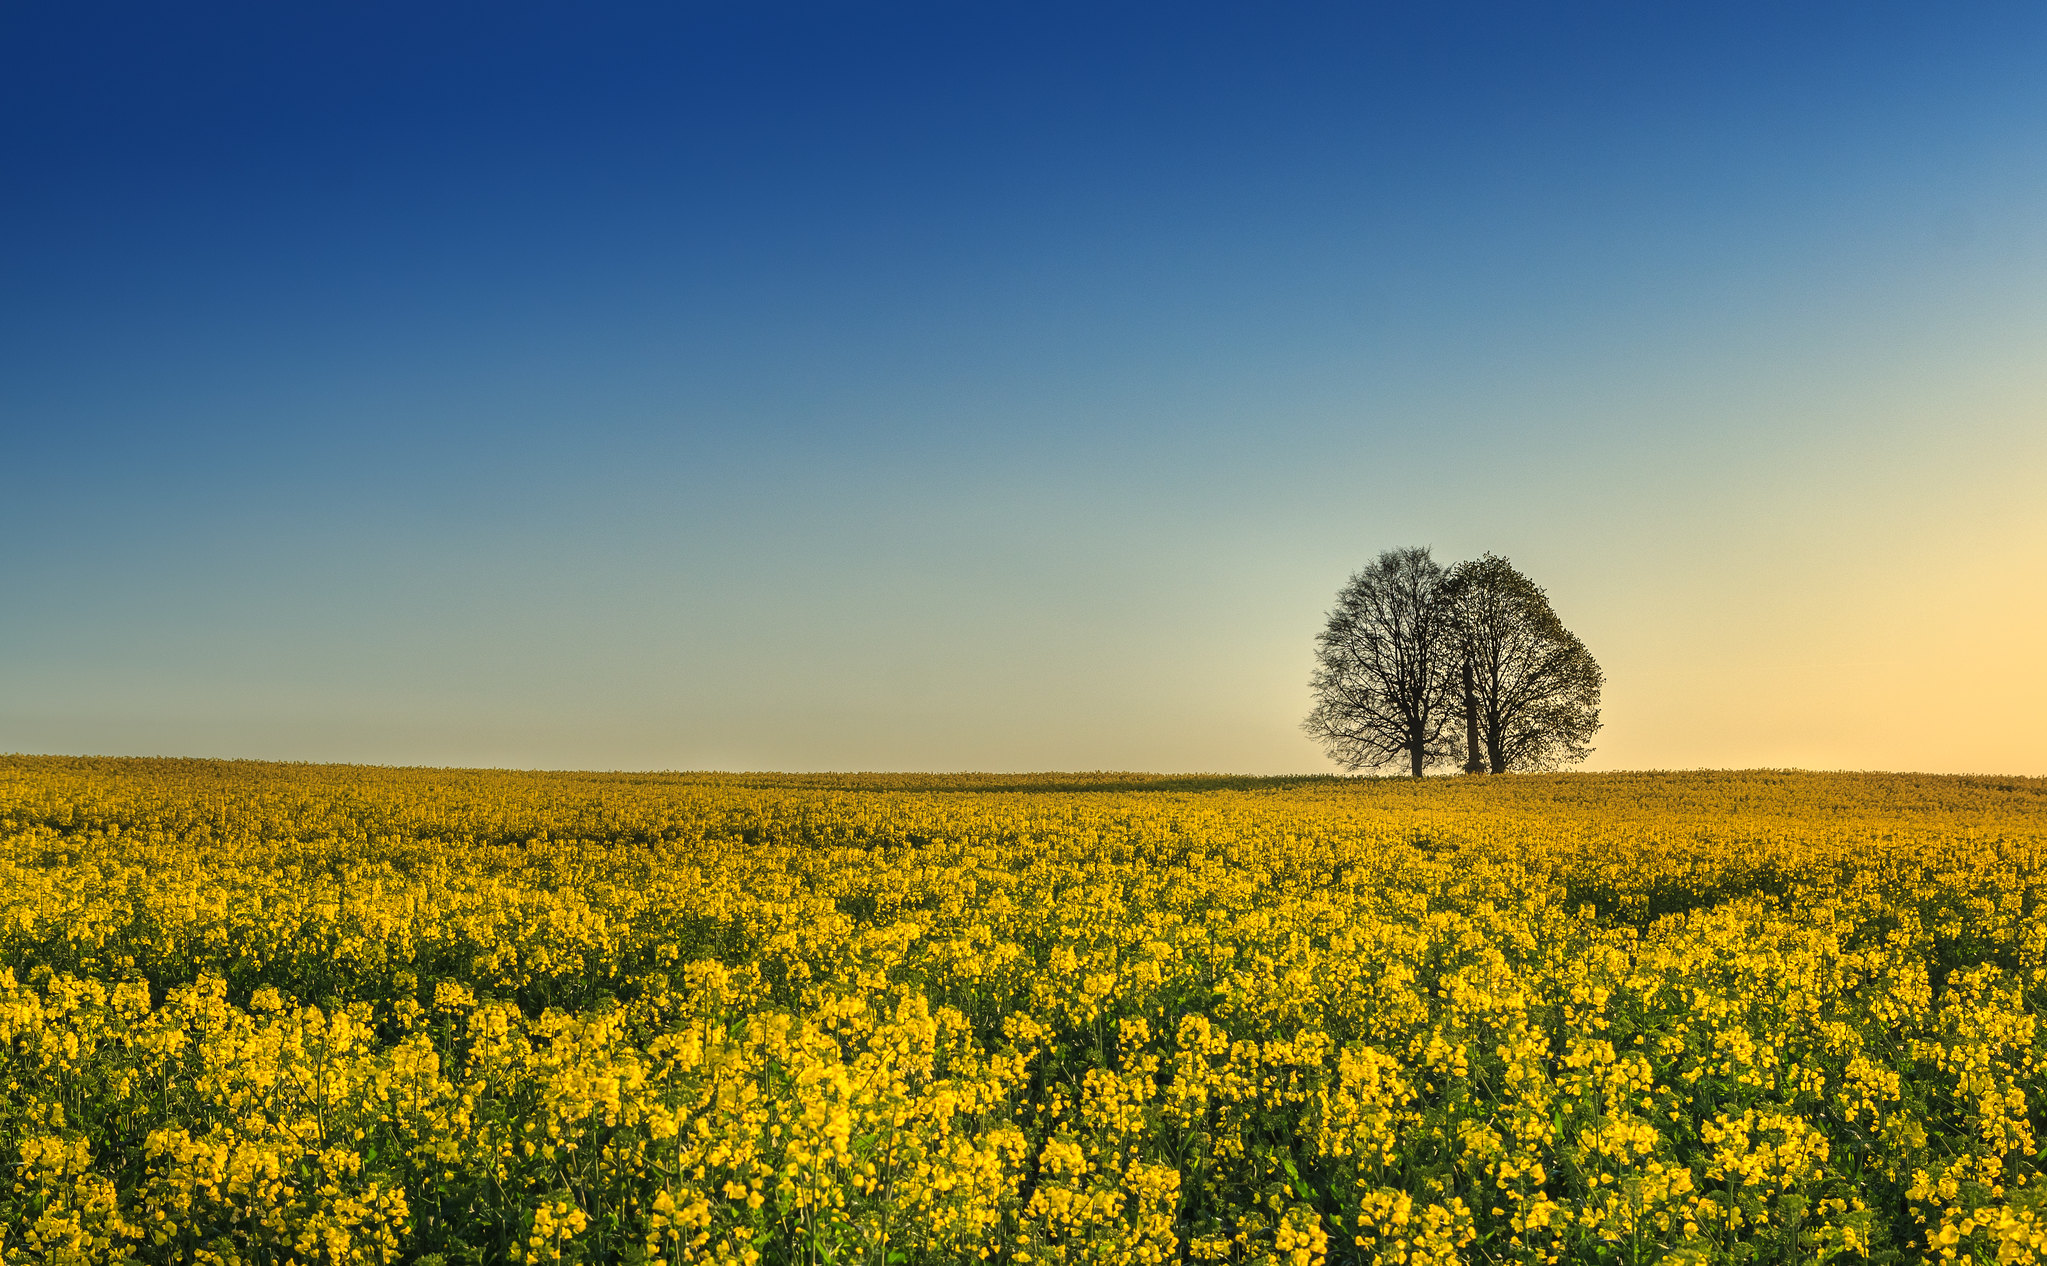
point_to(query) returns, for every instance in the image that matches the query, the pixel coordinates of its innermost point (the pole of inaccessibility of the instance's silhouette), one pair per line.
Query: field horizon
(1022, 779)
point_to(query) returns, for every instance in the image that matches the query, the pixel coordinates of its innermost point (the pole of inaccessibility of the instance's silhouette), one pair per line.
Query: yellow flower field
(285, 1013)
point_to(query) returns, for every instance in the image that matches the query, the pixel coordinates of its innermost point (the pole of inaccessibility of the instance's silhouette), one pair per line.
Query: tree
(1385, 667)
(1530, 688)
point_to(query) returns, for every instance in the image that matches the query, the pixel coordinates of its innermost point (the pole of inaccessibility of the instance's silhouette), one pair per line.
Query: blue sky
(1010, 386)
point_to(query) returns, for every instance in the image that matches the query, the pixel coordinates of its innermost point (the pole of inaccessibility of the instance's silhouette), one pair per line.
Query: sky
(1010, 386)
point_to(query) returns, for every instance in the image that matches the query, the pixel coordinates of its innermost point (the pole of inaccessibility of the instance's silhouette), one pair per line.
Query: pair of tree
(1425, 666)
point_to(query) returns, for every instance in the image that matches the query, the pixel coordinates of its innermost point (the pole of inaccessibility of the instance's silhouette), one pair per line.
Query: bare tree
(1386, 667)
(1530, 688)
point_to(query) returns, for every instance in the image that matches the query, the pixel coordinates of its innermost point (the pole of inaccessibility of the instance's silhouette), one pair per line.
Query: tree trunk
(1495, 755)
(1474, 763)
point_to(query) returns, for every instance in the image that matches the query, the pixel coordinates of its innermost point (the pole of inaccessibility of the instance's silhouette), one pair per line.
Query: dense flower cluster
(259, 1013)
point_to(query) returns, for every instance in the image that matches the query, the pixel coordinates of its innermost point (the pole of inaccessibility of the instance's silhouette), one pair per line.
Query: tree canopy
(1422, 666)
(1533, 687)
(1382, 681)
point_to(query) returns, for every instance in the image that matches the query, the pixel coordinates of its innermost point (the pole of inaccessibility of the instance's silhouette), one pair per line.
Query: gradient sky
(1010, 386)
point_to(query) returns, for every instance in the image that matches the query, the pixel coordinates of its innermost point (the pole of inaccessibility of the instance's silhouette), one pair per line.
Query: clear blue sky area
(1002, 385)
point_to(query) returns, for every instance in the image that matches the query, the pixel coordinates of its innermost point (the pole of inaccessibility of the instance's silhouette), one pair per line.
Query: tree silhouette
(1412, 654)
(1530, 688)
(1385, 667)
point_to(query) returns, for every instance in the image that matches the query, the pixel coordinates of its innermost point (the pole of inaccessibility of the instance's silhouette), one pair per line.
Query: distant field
(268, 1013)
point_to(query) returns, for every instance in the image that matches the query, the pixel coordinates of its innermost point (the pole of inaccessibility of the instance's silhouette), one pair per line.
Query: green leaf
(1301, 1187)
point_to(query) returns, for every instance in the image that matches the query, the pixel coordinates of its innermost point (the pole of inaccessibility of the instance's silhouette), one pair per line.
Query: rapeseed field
(320, 1014)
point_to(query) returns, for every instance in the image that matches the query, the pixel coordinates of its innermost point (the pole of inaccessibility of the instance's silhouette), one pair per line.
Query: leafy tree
(1386, 667)
(1530, 689)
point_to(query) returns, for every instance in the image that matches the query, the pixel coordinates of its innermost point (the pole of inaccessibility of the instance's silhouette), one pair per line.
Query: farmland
(268, 1013)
